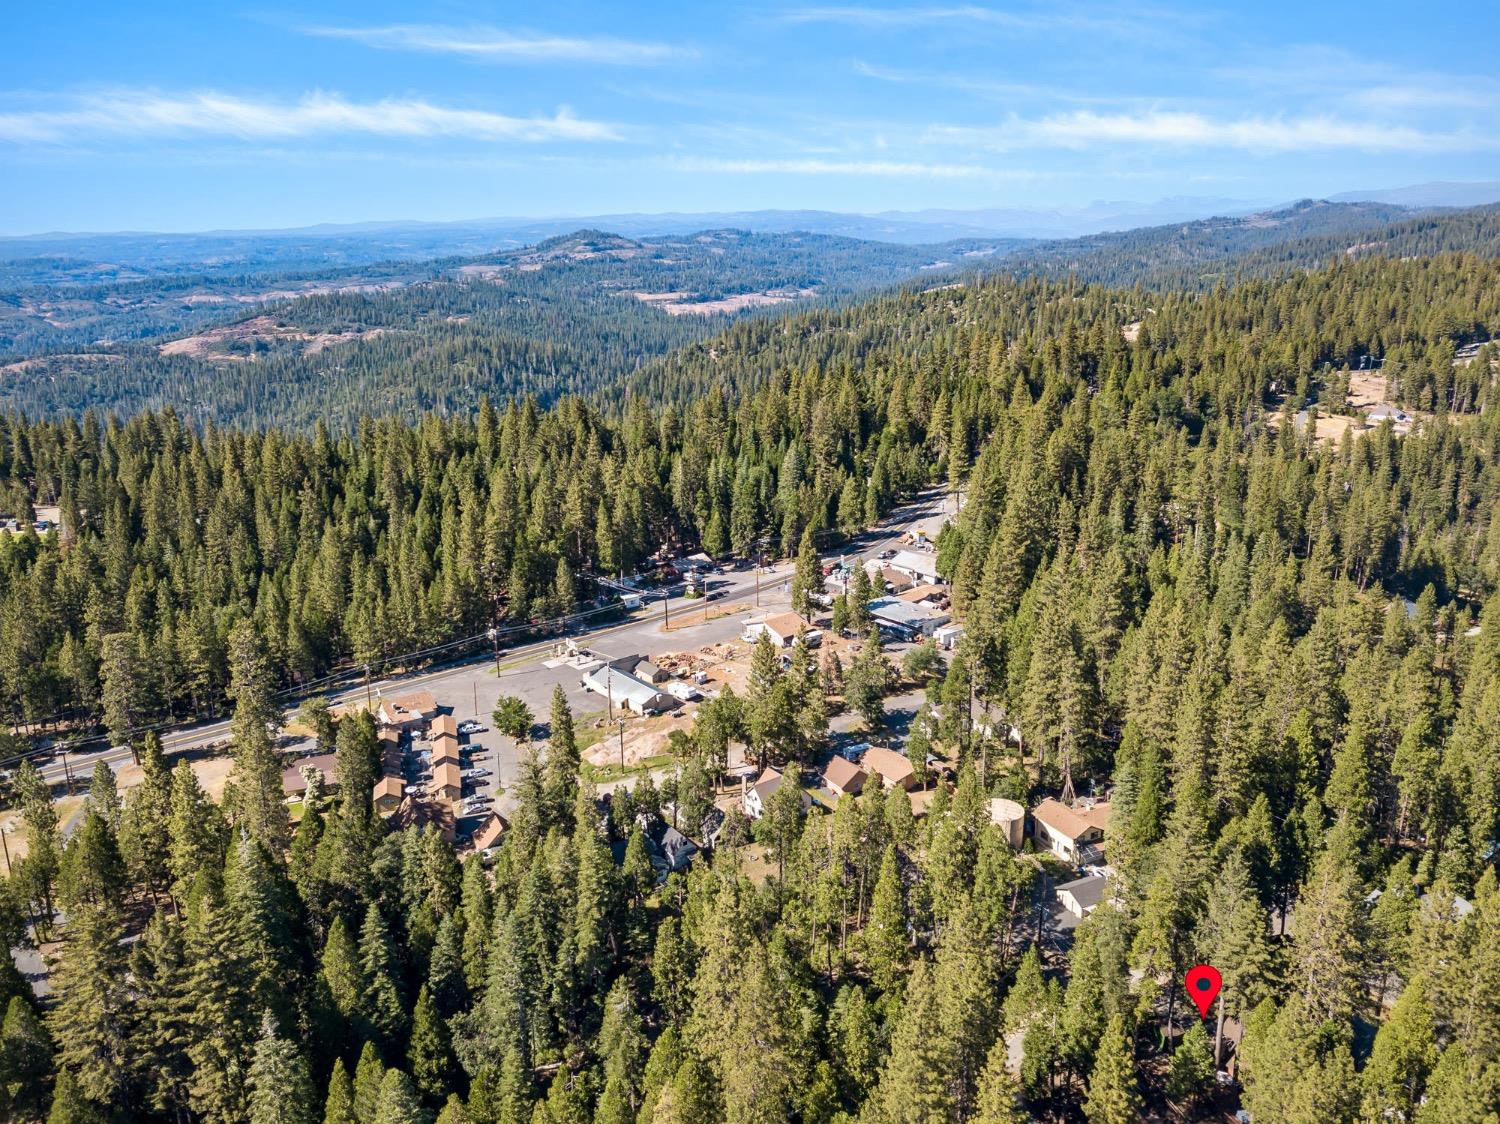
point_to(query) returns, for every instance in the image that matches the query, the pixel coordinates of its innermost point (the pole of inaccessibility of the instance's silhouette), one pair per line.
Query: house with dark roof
(1082, 896)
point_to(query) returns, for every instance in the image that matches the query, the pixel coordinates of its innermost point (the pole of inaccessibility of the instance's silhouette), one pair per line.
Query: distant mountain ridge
(334, 244)
(1439, 193)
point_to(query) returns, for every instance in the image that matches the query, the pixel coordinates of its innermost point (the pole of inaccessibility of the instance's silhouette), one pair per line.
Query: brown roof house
(388, 793)
(443, 726)
(447, 784)
(294, 777)
(489, 832)
(894, 769)
(843, 776)
(1072, 834)
(783, 629)
(406, 711)
(424, 813)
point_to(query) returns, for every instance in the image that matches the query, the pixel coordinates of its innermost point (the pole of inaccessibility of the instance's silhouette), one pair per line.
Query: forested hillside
(577, 314)
(1163, 594)
(1202, 251)
(567, 316)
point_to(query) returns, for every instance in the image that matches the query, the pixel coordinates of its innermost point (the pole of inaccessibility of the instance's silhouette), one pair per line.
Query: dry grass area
(211, 344)
(711, 611)
(492, 273)
(21, 366)
(1332, 429)
(645, 738)
(1367, 389)
(15, 830)
(681, 304)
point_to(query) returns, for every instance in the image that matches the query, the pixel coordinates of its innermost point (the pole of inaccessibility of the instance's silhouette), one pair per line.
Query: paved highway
(640, 632)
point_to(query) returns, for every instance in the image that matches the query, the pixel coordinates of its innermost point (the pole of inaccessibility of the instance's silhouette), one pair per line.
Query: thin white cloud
(1086, 129)
(497, 44)
(814, 167)
(144, 113)
(990, 87)
(1039, 18)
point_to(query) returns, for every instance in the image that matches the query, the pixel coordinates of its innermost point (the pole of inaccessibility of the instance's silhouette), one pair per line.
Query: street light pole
(369, 700)
(494, 635)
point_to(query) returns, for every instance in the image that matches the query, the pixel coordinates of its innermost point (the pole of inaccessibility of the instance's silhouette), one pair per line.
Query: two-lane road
(641, 630)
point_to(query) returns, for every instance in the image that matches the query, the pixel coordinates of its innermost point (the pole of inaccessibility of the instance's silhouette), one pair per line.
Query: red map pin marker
(1203, 984)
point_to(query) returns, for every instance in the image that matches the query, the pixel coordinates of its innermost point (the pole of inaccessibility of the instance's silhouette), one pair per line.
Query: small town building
(1072, 834)
(895, 581)
(1386, 412)
(490, 831)
(447, 782)
(445, 752)
(627, 692)
(443, 726)
(640, 668)
(1083, 895)
(407, 711)
(841, 776)
(294, 777)
(948, 636)
(921, 565)
(894, 769)
(388, 793)
(783, 629)
(758, 795)
(891, 614)
(934, 595)
(426, 813)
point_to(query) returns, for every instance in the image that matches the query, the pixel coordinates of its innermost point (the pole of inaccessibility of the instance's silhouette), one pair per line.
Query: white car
(474, 774)
(470, 727)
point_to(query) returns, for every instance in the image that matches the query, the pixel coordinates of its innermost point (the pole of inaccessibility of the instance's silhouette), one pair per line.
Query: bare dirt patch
(1131, 332)
(216, 342)
(680, 304)
(1366, 389)
(492, 273)
(644, 739)
(21, 366)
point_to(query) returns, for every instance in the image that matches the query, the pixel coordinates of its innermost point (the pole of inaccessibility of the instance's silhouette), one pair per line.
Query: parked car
(470, 727)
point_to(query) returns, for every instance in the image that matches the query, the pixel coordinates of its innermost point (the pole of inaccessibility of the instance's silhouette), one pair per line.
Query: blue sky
(190, 116)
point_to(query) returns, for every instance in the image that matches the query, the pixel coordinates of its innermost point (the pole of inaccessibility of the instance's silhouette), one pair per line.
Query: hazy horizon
(146, 120)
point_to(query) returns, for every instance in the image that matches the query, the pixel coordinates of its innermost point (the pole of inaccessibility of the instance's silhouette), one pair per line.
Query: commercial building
(627, 692)
(921, 565)
(902, 618)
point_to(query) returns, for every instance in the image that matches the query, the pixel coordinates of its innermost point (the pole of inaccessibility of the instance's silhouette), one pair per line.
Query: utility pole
(1219, 1029)
(666, 618)
(6, 846)
(494, 635)
(622, 744)
(369, 701)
